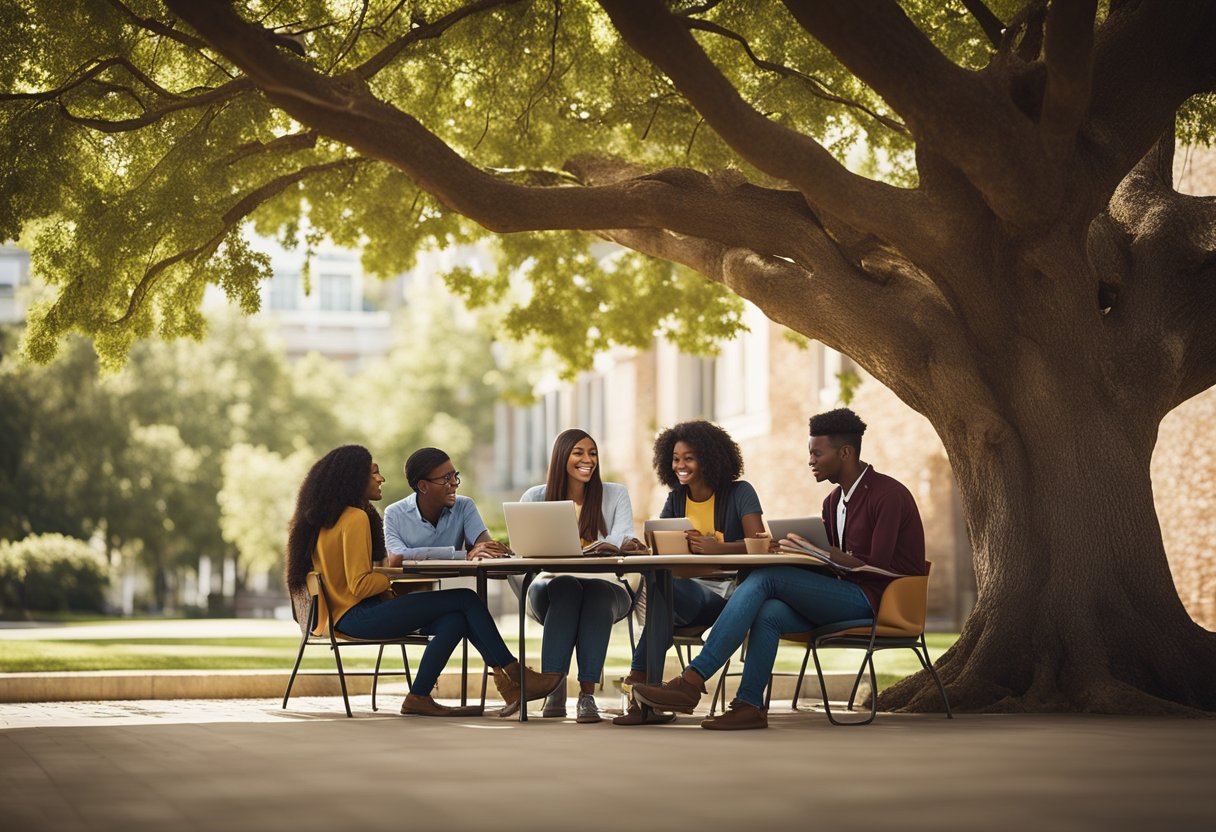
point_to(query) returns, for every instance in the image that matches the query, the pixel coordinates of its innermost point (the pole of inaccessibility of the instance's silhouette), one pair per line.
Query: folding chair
(336, 641)
(899, 623)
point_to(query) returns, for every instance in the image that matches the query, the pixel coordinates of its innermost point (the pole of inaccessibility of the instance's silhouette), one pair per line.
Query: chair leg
(857, 682)
(720, 689)
(295, 669)
(801, 675)
(405, 661)
(927, 665)
(376, 675)
(342, 680)
(464, 672)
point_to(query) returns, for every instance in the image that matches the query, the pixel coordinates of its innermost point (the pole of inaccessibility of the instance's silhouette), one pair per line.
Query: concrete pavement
(247, 765)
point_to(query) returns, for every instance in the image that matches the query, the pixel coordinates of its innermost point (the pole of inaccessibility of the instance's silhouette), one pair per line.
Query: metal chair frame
(899, 623)
(336, 641)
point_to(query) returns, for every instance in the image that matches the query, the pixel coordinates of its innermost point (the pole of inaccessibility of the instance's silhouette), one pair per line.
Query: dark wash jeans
(447, 615)
(578, 614)
(693, 604)
(773, 600)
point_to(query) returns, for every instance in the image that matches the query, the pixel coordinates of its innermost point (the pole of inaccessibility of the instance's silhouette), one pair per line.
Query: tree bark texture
(1043, 296)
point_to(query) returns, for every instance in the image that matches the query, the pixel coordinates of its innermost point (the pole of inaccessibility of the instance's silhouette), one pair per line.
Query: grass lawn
(46, 655)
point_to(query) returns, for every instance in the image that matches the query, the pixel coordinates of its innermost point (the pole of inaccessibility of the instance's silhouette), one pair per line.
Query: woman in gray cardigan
(578, 611)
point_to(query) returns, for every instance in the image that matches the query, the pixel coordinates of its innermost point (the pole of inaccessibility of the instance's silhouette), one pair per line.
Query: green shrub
(52, 573)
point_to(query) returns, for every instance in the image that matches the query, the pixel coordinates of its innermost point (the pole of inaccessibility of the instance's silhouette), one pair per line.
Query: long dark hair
(717, 454)
(336, 482)
(591, 519)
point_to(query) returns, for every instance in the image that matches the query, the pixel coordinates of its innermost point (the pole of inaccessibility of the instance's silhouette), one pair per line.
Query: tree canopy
(972, 200)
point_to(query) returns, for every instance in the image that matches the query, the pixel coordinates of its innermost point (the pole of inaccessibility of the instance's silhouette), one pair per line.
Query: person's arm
(483, 546)
(356, 537)
(618, 514)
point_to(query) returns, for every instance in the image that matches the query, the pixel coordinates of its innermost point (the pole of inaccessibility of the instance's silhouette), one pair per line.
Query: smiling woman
(578, 611)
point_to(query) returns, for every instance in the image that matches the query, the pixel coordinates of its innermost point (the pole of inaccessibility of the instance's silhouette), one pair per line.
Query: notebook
(547, 529)
(809, 527)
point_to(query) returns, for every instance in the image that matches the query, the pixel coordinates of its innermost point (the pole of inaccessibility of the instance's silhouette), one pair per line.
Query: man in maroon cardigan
(871, 519)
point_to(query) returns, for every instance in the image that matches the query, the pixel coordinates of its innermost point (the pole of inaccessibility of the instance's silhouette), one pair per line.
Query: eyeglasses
(450, 478)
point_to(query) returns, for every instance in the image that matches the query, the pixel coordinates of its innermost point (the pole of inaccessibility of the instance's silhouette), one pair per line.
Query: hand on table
(633, 546)
(703, 544)
(488, 549)
(394, 560)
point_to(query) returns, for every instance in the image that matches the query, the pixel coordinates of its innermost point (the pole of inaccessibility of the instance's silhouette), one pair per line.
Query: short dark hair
(422, 462)
(719, 457)
(842, 427)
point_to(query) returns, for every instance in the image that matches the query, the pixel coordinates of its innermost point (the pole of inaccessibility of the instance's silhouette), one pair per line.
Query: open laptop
(547, 529)
(811, 528)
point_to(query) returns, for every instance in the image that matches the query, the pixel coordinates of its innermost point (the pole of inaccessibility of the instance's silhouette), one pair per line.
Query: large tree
(1011, 258)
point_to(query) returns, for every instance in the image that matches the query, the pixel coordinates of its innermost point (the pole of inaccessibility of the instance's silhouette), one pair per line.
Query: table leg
(485, 669)
(659, 626)
(523, 616)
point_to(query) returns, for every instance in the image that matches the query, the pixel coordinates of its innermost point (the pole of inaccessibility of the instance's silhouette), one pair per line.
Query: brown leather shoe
(540, 685)
(415, 705)
(634, 716)
(677, 695)
(742, 716)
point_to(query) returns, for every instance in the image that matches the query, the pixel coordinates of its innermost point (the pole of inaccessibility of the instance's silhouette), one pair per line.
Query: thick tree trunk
(1076, 607)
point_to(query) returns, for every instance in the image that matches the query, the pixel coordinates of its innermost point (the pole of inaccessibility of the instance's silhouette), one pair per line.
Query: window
(336, 292)
(285, 290)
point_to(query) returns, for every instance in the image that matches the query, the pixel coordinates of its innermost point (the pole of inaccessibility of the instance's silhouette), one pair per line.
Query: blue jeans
(771, 601)
(578, 613)
(447, 615)
(693, 604)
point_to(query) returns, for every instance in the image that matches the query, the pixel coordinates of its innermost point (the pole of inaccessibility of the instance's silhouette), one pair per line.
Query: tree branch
(817, 88)
(226, 92)
(1148, 58)
(229, 222)
(993, 28)
(965, 117)
(1068, 52)
(425, 31)
(778, 151)
(347, 112)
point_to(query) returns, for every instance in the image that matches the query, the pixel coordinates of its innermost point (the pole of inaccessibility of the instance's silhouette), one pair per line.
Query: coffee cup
(757, 545)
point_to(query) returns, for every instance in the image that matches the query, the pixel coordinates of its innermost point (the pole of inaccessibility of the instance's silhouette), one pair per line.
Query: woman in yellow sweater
(337, 532)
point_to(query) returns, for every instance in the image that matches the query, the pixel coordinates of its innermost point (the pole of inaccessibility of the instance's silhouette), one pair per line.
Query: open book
(790, 546)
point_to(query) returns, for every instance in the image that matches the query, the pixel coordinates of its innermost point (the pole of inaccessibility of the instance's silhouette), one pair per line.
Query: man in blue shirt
(434, 522)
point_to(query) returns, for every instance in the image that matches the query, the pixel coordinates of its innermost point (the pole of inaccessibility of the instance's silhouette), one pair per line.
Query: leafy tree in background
(256, 502)
(1023, 274)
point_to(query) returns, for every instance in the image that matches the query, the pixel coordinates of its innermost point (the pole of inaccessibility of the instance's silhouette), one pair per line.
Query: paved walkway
(247, 765)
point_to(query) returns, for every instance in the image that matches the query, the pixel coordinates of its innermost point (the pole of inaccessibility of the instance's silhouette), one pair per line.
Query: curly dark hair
(717, 454)
(338, 480)
(842, 427)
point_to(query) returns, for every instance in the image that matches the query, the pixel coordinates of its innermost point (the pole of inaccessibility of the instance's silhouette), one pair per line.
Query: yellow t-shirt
(701, 515)
(344, 558)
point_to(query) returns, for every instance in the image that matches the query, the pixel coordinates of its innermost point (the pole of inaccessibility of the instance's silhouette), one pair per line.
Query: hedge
(52, 573)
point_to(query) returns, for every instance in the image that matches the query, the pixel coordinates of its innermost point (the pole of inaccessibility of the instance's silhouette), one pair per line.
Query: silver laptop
(546, 529)
(811, 528)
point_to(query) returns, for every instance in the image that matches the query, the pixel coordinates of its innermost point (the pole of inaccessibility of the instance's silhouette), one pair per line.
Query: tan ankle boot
(540, 685)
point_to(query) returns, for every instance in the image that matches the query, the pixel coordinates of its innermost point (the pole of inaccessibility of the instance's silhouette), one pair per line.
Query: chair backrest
(901, 612)
(320, 622)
